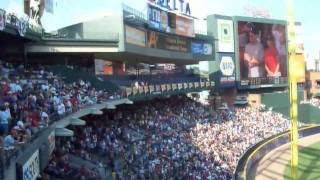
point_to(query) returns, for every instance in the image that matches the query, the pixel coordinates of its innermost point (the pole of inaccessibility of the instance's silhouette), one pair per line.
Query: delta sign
(174, 5)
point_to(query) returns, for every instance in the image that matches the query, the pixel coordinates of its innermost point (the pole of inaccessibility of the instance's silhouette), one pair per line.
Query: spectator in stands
(44, 118)
(5, 117)
(9, 142)
(61, 109)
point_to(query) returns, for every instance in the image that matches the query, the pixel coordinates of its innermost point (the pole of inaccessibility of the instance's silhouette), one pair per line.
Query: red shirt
(74, 101)
(34, 119)
(271, 60)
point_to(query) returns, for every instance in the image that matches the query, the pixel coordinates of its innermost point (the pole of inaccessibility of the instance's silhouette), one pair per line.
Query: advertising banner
(164, 21)
(103, 67)
(180, 86)
(168, 87)
(172, 22)
(190, 85)
(196, 84)
(154, 17)
(185, 85)
(174, 86)
(31, 169)
(135, 36)
(158, 19)
(178, 6)
(158, 89)
(227, 74)
(52, 142)
(202, 84)
(2, 19)
(185, 26)
(262, 53)
(168, 42)
(225, 35)
(151, 88)
(199, 48)
(163, 87)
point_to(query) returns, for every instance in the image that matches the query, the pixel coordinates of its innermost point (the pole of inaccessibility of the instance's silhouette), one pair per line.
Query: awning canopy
(63, 132)
(96, 111)
(77, 122)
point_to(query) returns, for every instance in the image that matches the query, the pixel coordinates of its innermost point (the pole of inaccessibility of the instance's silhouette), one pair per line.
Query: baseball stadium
(143, 94)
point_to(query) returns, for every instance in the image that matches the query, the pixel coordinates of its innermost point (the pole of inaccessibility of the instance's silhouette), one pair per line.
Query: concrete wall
(103, 28)
(280, 103)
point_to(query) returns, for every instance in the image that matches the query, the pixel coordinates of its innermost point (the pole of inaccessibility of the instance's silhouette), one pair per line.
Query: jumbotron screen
(262, 54)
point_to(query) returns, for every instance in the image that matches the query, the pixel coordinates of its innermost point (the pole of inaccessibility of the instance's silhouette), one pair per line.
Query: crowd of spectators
(174, 138)
(31, 98)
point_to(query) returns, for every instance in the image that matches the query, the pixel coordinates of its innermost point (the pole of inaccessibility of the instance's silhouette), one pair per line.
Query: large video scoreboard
(261, 52)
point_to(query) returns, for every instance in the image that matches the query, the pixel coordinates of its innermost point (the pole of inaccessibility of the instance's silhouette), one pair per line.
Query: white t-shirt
(61, 109)
(255, 51)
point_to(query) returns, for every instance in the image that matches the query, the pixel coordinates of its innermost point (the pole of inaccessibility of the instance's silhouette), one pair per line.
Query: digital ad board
(168, 42)
(227, 74)
(185, 26)
(31, 168)
(201, 48)
(261, 53)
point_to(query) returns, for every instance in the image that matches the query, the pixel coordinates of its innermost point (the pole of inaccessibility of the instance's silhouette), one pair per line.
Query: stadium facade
(132, 38)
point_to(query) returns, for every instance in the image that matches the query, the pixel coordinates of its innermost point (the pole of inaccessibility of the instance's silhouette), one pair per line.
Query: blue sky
(68, 12)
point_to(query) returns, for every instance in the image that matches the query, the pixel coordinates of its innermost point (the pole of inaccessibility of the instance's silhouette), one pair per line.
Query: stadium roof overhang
(72, 46)
(108, 50)
(134, 57)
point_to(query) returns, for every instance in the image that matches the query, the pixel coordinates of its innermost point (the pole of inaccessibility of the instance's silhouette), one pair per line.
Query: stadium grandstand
(143, 96)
